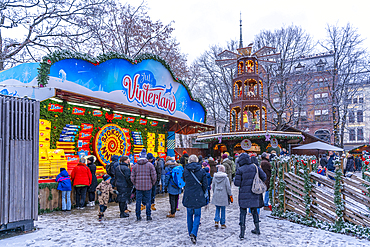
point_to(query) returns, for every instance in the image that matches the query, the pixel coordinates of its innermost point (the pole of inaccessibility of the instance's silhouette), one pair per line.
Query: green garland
(56, 56)
(271, 189)
(60, 119)
(254, 137)
(339, 205)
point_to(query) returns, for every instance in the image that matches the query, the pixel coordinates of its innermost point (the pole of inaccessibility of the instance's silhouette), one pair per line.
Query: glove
(115, 192)
(99, 192)
(231, 199)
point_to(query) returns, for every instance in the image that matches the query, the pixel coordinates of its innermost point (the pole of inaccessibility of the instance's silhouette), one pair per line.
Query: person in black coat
(94, 181)
(247, 199)
(350, 167)
(323, 161)
(194, 195)
(123, 184)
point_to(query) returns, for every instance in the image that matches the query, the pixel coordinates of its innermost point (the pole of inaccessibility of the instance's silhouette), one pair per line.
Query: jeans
(223, 214)
(267, 197)
(162, 181)
(193, 219)
(92, 196)
(154, 190)
(66, 200)
(143, 196)
(80, 196)
(174, 199)
(250, 211)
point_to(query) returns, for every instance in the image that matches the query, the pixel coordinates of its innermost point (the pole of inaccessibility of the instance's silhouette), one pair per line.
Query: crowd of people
(202, 181)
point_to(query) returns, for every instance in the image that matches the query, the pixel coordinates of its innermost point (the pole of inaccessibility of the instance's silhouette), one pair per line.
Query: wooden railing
(317, 198)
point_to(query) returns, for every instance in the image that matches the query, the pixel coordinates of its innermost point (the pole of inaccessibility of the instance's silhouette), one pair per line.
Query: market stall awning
(178, 125)
(319, 146)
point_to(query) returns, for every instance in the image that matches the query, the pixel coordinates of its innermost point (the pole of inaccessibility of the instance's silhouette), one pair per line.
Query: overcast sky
(201, 23)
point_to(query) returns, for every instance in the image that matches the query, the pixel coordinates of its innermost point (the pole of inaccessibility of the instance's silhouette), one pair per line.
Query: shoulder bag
(258, 186)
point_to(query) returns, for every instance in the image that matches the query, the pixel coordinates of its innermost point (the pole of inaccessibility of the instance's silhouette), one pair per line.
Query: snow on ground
(82, 228)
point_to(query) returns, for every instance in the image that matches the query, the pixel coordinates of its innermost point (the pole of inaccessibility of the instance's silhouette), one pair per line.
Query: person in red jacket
(81, 177)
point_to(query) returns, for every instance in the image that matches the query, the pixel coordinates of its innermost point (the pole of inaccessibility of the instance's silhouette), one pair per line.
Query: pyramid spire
(241, 39)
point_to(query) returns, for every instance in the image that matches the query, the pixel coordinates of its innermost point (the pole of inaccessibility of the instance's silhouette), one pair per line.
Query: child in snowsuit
(321, 171)
(64, 185)
(103, 190)
(221, 192)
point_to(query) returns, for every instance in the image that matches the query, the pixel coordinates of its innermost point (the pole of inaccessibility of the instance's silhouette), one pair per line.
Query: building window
(360, 134)
(361, 100)
(360, 116)
(352, 135)
(354, 100)
(317, 115)
(317, 96)
(324, 95)
(325, 115)
(351, 117)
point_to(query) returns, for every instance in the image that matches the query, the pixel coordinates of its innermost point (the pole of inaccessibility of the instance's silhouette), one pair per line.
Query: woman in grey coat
(221, 191)
(247, 199)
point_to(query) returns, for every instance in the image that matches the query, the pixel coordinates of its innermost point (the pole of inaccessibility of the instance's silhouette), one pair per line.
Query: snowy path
(81, 228)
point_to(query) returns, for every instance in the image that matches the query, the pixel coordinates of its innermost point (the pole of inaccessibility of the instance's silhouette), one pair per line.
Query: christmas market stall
(104, 106)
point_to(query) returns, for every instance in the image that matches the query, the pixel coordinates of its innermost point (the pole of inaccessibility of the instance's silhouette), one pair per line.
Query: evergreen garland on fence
(340, 226)
(339, 205)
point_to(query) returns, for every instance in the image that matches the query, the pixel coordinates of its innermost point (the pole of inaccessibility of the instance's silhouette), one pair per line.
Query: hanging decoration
(274, 143)
(154, 123)
(78, 111)
(246, 144)
(117, 116)
(55, 107)
(143, 121)
(130, 119)
(97, 113)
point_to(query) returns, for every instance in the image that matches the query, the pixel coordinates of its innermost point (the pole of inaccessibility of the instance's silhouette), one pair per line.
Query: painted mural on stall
(148, 85)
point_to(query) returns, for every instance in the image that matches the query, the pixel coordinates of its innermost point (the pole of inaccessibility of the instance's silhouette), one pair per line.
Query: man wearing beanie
(143, 176)
(151, 159)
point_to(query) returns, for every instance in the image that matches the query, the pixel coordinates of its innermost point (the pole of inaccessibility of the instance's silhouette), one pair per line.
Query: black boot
(256, 221)
(257, 229)
(242, 232)
(122, 208)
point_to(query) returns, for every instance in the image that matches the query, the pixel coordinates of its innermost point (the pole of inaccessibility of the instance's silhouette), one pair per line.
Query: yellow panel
(44, 145)
(56, 154)
(44, 124)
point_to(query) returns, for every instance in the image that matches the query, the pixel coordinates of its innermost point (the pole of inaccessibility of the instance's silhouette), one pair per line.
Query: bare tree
(286, 82)
(129, 30)
(36, 25)
(214, 83)
(348, 65)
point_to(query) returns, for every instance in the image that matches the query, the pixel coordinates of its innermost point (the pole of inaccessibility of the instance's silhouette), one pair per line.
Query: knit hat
(210, 158)
(204, 164)
(184, 152)
(150, 156)
(143, 154)
(91, 159)
(224, 156)
(193, 158)
(221, 168)
(206, 169)
(106, 177)
(62, 169)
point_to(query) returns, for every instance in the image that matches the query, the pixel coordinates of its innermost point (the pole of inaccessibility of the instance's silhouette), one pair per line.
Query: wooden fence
(300, 189)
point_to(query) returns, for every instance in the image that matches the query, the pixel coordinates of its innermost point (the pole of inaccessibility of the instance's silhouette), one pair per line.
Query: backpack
(177, 176)
(109, 169)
